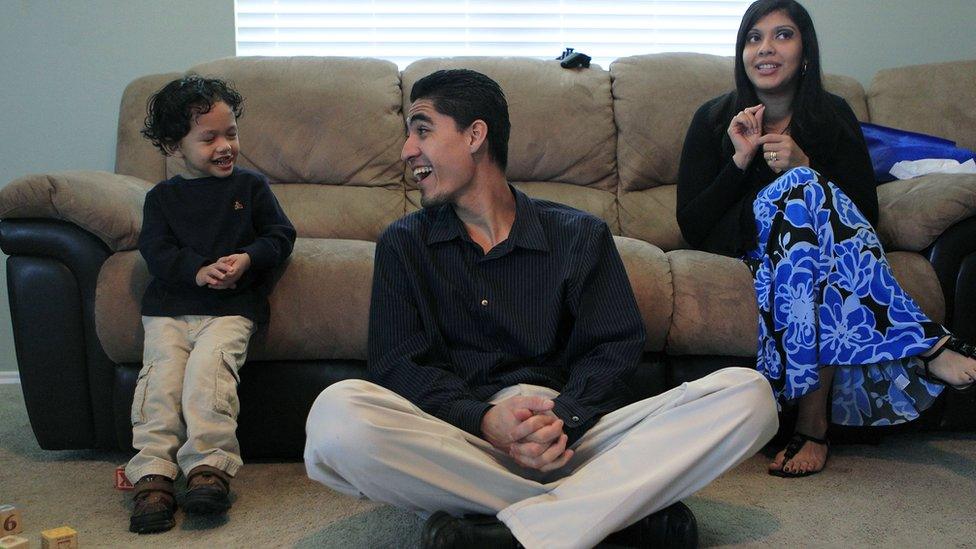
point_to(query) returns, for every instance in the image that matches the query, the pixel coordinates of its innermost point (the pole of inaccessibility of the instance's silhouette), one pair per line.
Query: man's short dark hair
(466, 96)
(171, 110)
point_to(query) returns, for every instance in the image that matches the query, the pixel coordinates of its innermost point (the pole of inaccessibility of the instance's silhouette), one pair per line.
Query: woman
(777, 173)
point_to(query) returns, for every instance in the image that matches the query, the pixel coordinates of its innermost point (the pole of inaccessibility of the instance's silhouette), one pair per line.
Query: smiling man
(503, 337)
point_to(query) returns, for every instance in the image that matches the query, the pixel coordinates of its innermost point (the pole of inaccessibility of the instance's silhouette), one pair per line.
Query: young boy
(210, 238)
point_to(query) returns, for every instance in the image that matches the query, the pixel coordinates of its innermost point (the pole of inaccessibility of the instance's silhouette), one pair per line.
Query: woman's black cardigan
(715, 197)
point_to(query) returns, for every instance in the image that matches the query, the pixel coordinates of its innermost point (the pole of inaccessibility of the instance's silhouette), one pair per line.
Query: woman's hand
(745, 130)
(782, 153)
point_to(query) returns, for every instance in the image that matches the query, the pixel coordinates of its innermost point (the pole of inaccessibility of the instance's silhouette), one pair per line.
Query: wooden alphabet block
(14, 542)
(121, 481)
(9, 520)
(64, 537)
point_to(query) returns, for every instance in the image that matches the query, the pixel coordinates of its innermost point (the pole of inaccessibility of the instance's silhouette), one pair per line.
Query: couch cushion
(936, 99)
(650, 276)
(654, 98)
(319, 306)
(649, 214)
(715, 305)
(328, 120)
(562, 120)
(340, 211)
(914, 212)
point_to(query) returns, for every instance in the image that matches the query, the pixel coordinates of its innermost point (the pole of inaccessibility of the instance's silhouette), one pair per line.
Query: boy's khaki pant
(184, 412)
(364, 440)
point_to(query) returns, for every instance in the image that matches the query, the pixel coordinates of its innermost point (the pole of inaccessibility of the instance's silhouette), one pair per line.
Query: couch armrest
(104, 204)
(915, 212)
(953, 256)
(964, 319)
(65, 375)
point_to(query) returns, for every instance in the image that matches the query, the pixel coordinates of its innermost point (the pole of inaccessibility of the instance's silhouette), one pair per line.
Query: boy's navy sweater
(189, 223)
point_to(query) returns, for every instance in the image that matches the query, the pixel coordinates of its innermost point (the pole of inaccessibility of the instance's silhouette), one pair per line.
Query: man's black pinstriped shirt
(449, 326)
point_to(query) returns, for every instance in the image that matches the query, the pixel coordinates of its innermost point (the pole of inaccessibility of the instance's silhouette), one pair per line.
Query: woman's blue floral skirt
(827, 297)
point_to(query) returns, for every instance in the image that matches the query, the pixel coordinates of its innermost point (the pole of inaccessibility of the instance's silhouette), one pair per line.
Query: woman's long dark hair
(811, 110)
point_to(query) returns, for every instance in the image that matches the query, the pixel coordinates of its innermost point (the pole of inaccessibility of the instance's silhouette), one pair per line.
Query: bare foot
(811, 458)
(952, 368)
(811, 420)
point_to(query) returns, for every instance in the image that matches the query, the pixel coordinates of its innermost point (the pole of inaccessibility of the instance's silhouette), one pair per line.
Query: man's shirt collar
(526, 230)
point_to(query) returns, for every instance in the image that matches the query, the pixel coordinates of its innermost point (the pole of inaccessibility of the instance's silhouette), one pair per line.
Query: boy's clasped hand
(224, 273)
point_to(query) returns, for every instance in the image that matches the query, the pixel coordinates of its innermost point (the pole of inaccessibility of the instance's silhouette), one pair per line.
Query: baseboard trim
(9, 378)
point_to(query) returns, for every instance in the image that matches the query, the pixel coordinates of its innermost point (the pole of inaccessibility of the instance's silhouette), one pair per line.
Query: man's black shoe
(442, 531)
(673, 527)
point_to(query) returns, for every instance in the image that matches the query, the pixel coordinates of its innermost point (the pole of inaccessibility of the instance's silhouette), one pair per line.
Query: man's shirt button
(484, 302)
(575, 418)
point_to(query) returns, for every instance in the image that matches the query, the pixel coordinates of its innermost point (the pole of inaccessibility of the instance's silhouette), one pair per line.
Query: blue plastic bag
(890, 145)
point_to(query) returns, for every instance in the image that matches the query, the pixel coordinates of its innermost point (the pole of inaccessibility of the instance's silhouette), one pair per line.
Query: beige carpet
(911, 491)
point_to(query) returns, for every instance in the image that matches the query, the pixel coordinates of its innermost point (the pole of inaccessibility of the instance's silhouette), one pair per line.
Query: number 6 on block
(9, 520)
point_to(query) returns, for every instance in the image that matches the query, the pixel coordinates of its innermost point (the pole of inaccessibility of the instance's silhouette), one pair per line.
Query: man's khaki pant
(367, 441)
(185, 406)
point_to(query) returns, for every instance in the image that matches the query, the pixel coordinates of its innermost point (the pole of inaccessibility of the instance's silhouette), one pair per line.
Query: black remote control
(574, 60)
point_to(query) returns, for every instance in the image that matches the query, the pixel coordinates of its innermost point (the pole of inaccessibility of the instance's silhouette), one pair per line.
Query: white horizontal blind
(404, 31)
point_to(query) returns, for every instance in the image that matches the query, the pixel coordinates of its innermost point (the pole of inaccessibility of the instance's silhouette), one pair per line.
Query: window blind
(403, 31)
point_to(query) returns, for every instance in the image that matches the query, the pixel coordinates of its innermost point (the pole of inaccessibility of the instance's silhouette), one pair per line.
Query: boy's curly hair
(171, 110)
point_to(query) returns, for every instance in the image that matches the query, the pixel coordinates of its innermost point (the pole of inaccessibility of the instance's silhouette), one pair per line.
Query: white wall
(859, 37)
(65, 64)
(62, 72)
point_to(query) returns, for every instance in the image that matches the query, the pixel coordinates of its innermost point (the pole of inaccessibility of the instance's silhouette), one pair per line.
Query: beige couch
(328, 132)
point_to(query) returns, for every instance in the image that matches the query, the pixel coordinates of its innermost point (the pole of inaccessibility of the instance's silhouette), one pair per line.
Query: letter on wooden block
(59, 538)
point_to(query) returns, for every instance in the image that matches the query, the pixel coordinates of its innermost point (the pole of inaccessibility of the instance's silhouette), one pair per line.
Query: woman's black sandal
(967, 350)
(792, 448)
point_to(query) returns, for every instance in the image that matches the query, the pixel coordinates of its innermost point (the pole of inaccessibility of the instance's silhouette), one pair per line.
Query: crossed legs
(364, 440)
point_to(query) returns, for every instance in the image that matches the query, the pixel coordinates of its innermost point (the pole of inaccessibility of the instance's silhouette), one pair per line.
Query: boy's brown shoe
(153, 505)
(208, 491)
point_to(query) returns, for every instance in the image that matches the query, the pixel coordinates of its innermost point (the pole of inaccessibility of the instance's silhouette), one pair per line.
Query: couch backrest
(328, 133)
(937, 99)
(134, 155)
